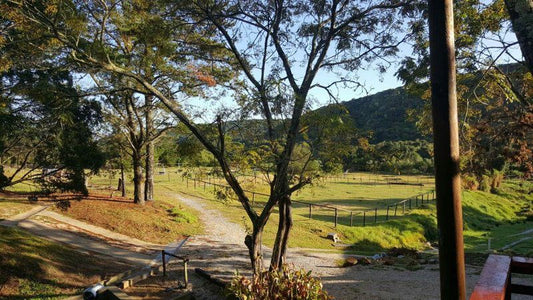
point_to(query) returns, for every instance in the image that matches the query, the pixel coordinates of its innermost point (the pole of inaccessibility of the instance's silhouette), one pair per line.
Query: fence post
(403, 208)
(310, 211)
(336, 215)
(387, 213)
(164, 263)
(375, 215)
(351, 218)
(416, 201)
(185, 275)
(194, 181)
(187, 182)
(410, 200)
(364, 218)
(395, 209)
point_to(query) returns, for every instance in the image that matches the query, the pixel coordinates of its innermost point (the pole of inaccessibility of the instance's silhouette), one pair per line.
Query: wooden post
(410, 200)
(185, 272)
(336, 216)
(446, 149)
(395, 209)
(403, 208)
(310, 211)
(351, 218)
(164, 262)
(387, 213)
(187, 182)
(364, 218)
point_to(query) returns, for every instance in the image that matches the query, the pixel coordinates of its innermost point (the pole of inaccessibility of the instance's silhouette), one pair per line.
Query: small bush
(485, 183)
(470, 182)
(285, 284)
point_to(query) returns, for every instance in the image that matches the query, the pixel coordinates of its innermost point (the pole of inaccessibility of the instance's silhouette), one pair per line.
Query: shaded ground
(34, 267)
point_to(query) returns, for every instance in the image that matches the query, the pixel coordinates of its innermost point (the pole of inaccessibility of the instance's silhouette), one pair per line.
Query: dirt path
(85, 237)
(221, 251)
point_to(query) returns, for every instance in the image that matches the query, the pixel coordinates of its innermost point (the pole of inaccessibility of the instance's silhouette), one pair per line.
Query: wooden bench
(495, 280)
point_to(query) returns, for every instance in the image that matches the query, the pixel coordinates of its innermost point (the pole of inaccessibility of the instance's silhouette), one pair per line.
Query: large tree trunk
(122, 178)
(149, 183)
(137, 178)
(254, 244)
(282, 235)
(521, 14)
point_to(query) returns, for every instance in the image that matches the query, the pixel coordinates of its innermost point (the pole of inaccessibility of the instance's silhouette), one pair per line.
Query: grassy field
(34, 268)
(487, 216)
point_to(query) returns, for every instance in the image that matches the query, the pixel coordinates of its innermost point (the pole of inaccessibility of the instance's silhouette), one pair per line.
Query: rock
(378, 256)
(334, 237)
(350, 261)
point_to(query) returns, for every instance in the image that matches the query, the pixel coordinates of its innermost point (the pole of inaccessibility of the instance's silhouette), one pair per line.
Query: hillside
(384, 114)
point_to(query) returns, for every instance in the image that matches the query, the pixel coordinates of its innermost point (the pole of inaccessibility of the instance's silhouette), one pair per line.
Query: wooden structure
(495, 280)
(446, 148)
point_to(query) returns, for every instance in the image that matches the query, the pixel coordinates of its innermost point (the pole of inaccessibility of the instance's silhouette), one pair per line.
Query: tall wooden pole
(446, 143)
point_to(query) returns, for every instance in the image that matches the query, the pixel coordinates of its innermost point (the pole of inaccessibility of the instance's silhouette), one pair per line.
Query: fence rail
(362, 217)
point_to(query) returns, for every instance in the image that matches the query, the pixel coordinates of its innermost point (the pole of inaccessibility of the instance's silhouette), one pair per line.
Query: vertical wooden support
(351, 218)
(164, 262)
(336, 216)
(446, 149)
(395, 209)
(185, 272)
(403, 208)
(364, 218)
(310, 211)
(387, 213)
(375, 215)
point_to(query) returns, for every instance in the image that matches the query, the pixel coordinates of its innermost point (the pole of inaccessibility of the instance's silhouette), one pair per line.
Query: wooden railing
(495, 280)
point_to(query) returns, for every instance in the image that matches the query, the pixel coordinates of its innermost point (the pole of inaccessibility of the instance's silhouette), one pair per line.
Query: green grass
(486, 215)
(34, 268)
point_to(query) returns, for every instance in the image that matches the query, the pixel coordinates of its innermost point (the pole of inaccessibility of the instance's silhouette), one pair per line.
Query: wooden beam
(446, 148)
(493, 283)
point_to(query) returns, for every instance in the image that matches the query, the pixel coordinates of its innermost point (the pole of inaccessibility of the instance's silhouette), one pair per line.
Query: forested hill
(384, 114)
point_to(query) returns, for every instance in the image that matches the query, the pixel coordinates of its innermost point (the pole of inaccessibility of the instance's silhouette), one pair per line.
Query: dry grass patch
(156, 222)
(12, 204)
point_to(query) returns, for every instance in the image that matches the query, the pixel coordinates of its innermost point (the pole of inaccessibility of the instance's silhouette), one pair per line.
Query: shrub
(497, 178)
(285, 284)
(470, 182)
(485, 182)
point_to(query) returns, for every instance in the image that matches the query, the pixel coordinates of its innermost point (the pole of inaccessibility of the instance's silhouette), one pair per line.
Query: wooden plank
(494, 280)
(522, 265)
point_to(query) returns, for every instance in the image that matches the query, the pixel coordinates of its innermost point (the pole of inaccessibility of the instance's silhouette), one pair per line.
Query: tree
(46, 126)
(494, 100)
(340, 35)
